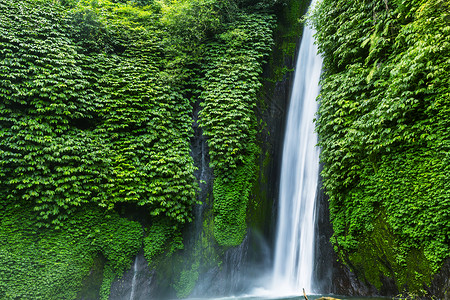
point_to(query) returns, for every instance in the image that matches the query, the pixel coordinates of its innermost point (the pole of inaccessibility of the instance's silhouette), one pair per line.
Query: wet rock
(440, 286)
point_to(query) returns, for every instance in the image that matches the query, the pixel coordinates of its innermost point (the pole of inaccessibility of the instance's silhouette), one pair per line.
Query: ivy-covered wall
(383, 124)
(231, 84)
(96, 116)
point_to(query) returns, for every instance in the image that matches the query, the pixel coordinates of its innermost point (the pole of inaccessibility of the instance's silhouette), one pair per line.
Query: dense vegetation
(95, 117)
(96, 120)
(231, 84)
(384, 131)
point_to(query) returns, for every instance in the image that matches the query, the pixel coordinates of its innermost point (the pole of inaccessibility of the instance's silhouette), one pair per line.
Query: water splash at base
(294, 251)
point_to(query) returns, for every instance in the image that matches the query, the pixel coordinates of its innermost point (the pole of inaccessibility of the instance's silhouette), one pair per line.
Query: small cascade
(294, 249)
(136, 284)
(133, 281)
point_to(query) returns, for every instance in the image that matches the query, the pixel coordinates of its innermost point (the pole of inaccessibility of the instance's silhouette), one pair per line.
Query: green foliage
(105, 128)
(89, 32)
(230, 86)
(411, 268)
(96, 111)
(93, 113)
(192, 20)
(231, 195)
(108, 278)
(203, 255)
(187, 280)
(290, 27)
(45, 159)
(162, 237)
(91, 284)
(383, 126)
(51, 263)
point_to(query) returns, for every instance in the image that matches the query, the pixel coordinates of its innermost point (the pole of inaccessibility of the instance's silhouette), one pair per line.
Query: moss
(108, 278)
(46, 263)
(180, 271)
(163, 236)
(92, 283)
(260, 207)
(231, 196)
(291, 26)
(187, 280)
(379, 255)
(204, 255)
(287, 35)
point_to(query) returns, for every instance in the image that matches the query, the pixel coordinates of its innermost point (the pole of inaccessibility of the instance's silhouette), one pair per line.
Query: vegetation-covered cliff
(96, 120)
(97, 104)
(384, 131)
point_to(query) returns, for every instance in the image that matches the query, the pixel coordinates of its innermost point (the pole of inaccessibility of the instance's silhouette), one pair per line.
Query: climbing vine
(383, 127)
(103, 128)
(57, 260)
(96, 116)
(93, 114)
(231, 83)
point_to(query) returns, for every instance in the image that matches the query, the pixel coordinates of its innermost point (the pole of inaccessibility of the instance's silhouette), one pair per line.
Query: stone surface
(440, 286)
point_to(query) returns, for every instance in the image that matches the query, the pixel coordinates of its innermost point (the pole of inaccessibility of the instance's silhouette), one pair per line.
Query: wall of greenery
(52, 263)
(96, 114)
(92, 115)
(230, 86)
(384, 132)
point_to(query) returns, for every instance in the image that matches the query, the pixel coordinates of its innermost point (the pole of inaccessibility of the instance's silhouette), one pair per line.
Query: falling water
(294, 252)
(133, 282)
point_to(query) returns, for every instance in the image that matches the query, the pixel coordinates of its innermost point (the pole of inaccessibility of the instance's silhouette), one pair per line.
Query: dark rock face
(345, 282)
(200, 154)
(226, 279)
(273, 112)
(331, 275)
(92, 283)
(324, 253)
(135, 284)
(440, 286)
(334, 277)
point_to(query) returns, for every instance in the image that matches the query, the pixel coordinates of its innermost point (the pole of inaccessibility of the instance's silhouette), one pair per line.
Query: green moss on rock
(380, 255)
(53, 263)
(383, 130)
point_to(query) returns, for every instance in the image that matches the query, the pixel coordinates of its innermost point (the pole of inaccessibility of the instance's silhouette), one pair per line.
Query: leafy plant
(383, 125)
(231, 83)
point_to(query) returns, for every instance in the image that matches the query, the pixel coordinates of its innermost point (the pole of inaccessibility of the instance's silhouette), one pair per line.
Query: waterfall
(294, 249)
(133, 281)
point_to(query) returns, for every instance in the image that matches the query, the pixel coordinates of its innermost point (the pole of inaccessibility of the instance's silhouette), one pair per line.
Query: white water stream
(294, 250)
(133, 282)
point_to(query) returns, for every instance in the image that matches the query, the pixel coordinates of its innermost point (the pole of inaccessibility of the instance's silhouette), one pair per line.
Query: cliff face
(98, 148)
(154, 129)
(383, 263)
(383, 127)
(224, 266)
(203, 271)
